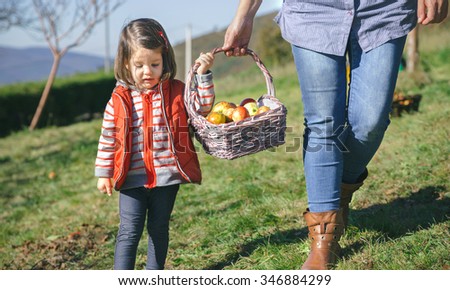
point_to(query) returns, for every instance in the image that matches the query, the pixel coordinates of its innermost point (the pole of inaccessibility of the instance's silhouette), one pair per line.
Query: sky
(175, 16)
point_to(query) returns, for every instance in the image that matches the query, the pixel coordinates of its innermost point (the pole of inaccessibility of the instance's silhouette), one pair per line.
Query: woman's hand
(237, 37)
(431, 11)
(105, 185)
(240, 29)
(205, 61)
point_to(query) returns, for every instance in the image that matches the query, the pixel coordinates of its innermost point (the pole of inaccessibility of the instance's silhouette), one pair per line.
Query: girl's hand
(105, 185)
(431, 11)
(206, 61)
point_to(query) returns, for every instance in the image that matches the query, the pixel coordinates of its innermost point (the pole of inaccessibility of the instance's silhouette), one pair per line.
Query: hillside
(34, 63)
(222, 64)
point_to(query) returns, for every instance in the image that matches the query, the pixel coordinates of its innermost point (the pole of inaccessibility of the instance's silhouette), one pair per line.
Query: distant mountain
(34, 64)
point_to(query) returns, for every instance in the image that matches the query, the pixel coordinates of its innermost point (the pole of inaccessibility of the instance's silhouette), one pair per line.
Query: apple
(216, 118)
(240, 113)
(262, 109)
(247, 100)
(221, 106)
(228, 114)
(252, 108)
(52, 175)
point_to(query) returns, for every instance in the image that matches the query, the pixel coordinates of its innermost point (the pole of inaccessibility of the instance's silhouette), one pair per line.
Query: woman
(343, 127)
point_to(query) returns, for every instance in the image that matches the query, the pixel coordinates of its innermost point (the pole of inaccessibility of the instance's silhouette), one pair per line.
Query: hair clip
(163, 37)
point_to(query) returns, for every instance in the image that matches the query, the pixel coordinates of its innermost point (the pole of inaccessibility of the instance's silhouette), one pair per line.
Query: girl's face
(146, 67)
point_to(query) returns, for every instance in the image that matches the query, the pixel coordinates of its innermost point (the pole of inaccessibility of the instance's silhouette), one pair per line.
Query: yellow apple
(216, 118)
(221, 106)
(228, 114)
(262, 109)
(252, 108)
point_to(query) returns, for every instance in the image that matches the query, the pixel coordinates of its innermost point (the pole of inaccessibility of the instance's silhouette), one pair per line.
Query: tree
(65, 25)
(12, 14)
(271, 46)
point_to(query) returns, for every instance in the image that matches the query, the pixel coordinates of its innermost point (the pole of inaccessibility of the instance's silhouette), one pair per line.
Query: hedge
(71, 99)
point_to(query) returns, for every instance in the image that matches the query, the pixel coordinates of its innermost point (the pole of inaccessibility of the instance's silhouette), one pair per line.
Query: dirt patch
(59, 253)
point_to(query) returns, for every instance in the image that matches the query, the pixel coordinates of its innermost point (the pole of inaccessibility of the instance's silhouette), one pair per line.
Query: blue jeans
(135, 206)
(343, 133)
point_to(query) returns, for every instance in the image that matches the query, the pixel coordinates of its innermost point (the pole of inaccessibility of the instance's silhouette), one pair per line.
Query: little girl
(145, 150)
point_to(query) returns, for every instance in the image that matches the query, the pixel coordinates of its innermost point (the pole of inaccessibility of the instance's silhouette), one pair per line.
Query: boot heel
(325, 231)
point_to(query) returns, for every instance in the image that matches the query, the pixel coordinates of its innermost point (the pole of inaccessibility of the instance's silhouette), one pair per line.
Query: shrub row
(71, 99)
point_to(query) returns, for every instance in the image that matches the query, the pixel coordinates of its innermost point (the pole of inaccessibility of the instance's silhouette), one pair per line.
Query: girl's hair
(145, 33)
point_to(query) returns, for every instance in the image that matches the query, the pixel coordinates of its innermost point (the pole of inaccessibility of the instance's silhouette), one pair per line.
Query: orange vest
(175, 114)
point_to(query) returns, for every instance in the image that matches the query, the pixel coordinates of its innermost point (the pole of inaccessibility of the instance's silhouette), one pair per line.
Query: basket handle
(268, 78)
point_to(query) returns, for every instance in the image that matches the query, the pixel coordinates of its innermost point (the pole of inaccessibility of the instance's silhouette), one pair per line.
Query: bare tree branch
(61, 36)
(85, 15)
(14, 13)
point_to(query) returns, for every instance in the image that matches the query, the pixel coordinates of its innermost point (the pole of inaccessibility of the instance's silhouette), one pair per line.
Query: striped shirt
(325, 26)
(164, 162)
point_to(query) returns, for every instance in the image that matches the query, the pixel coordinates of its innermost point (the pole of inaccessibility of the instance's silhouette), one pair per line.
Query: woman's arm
(239, 31)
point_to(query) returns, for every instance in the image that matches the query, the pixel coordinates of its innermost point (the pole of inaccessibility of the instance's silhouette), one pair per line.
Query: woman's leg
(160, 206)
(373, 78)
(323, 85)
(132, 209)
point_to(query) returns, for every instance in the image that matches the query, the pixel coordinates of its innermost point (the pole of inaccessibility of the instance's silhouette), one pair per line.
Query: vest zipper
(172, 146)
(148, 115)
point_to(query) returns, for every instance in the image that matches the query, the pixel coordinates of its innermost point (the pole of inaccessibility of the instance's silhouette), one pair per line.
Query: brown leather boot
(347, 191)
(325, 230)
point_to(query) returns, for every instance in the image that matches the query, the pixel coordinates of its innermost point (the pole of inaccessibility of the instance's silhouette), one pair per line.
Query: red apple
(240, 113)
(247, 100)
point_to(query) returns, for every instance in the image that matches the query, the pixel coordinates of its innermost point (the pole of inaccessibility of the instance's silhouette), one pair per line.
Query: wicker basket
(251, 135)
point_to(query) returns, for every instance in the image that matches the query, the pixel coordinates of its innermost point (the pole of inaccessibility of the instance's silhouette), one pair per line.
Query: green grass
(247, 214)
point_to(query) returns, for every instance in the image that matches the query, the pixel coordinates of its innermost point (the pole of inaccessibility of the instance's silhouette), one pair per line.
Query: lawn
(247, 214)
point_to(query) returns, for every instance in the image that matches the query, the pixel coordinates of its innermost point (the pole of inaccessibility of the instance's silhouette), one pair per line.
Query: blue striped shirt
(325, 26)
